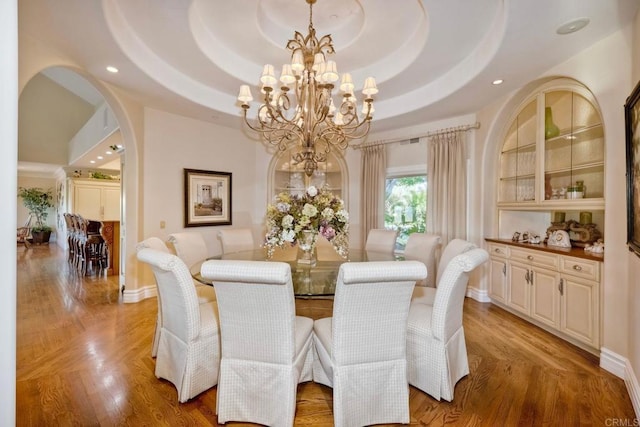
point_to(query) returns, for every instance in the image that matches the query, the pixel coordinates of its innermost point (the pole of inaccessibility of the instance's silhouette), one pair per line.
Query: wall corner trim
(137, 295)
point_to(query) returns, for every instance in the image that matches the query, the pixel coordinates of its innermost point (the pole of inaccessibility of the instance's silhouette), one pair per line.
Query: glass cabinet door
(518, 158)
(573, 147)
(290, 177)
(552, 155)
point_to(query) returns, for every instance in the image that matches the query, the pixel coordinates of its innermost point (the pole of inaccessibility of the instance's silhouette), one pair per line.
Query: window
(405, 206)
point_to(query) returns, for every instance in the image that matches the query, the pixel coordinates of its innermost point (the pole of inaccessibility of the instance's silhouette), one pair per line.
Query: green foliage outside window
(405, 207)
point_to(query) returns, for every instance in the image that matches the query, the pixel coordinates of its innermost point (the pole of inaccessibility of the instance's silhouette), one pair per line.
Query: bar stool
(93, 249)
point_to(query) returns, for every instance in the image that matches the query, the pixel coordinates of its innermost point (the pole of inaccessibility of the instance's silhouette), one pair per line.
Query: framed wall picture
(632, 123)
(207, 198)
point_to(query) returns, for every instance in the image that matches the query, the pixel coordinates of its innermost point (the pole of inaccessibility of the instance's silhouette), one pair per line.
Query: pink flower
(327, 232)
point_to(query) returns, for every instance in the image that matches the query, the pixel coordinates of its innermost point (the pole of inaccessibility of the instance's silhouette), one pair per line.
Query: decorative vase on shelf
(307, 245)
(551, 130)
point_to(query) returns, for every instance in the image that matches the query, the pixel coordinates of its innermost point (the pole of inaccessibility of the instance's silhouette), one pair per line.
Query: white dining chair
(361, 350)
(158, 245)
(191, 248)
(426, 295)
(436, 349)
(381, 240)
(236, 240)
(189, 343)
(266, 348)
(423, 247)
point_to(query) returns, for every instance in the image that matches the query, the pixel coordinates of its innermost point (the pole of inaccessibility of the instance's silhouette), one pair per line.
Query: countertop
(573, 251)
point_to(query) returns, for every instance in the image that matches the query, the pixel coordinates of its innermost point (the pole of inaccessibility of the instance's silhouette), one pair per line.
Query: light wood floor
(84, 359)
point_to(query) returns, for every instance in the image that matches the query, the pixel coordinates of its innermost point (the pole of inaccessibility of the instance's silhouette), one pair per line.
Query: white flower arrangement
(316, 210)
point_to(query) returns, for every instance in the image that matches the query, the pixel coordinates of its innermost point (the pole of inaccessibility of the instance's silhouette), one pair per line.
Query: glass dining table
(309, 280)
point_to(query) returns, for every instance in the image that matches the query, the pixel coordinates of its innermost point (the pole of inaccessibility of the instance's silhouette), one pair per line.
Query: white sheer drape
(374, 167)
(447, 186)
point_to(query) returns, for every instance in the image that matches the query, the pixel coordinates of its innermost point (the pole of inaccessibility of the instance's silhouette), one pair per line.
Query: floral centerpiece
(291, 217)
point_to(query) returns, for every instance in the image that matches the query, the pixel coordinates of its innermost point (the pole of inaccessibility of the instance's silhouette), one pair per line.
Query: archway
(130, 129)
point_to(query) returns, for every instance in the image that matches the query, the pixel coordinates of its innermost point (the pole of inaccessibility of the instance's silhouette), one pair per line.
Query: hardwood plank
(84, 358)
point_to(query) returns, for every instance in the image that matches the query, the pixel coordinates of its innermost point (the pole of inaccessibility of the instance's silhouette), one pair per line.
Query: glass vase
(307, 245)
(551, 130)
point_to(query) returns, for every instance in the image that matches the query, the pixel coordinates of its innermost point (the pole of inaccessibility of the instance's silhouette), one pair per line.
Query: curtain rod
(460, 128)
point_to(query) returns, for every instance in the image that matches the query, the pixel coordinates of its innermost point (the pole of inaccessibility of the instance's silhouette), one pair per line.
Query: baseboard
(478, 294)
(613, 362)
(633, 388)
(137, 295)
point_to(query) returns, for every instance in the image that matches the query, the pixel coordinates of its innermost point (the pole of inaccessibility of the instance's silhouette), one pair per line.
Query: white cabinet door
(97, 201)
(498, 279)
(111, 204)
(579, 311)
(519, 290)
(88, 202)
(545, 296)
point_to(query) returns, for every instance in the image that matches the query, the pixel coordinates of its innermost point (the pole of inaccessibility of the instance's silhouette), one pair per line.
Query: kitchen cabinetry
(99, 200)
(287, 176)
(95, 199)
(553, 144)
(555, 288)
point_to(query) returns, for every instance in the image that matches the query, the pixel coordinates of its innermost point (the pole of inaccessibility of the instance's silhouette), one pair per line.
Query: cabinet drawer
(542, 259)
(498, 250)
(580, 267)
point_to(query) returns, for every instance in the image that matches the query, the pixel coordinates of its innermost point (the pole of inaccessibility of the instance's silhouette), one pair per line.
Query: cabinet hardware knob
(526, 276)
(529, 257)
(497, 250)
(504, 269)
(577, 267)
(531, 278)
(561, 287)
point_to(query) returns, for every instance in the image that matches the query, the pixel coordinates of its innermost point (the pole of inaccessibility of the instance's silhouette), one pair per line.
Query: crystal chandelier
(314, 125)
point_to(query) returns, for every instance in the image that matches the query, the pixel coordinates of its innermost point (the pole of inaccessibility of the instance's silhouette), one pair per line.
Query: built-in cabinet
(95, 199)
(550, 162)
(287, 176)
(558, 289)
(552, 156)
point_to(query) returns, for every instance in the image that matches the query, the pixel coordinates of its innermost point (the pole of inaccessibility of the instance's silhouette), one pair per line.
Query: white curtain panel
(447, 186)
(374, 169)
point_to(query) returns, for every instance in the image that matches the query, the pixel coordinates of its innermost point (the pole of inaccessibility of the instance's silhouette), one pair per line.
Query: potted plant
(38, 201)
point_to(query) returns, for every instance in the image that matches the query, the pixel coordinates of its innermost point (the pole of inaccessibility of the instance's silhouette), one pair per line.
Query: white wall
(173, 143)
(8, 185)
(49, 116)
(100, 126)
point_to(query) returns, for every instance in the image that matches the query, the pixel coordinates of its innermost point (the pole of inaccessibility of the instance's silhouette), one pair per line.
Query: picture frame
(207, 198)
(632, 128)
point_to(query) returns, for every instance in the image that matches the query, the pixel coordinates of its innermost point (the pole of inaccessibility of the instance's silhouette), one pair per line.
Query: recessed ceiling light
(497, 82)
(100, 157)
(92, 161)
(112, 69)
(572, 26)
(108, 152)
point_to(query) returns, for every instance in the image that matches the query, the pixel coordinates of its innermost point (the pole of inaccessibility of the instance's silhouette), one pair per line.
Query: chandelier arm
(290, 133)
(333, 138)
(349, 132)
(283, 142)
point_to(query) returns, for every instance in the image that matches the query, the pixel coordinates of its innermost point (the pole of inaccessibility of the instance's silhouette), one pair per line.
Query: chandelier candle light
(314, 124)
